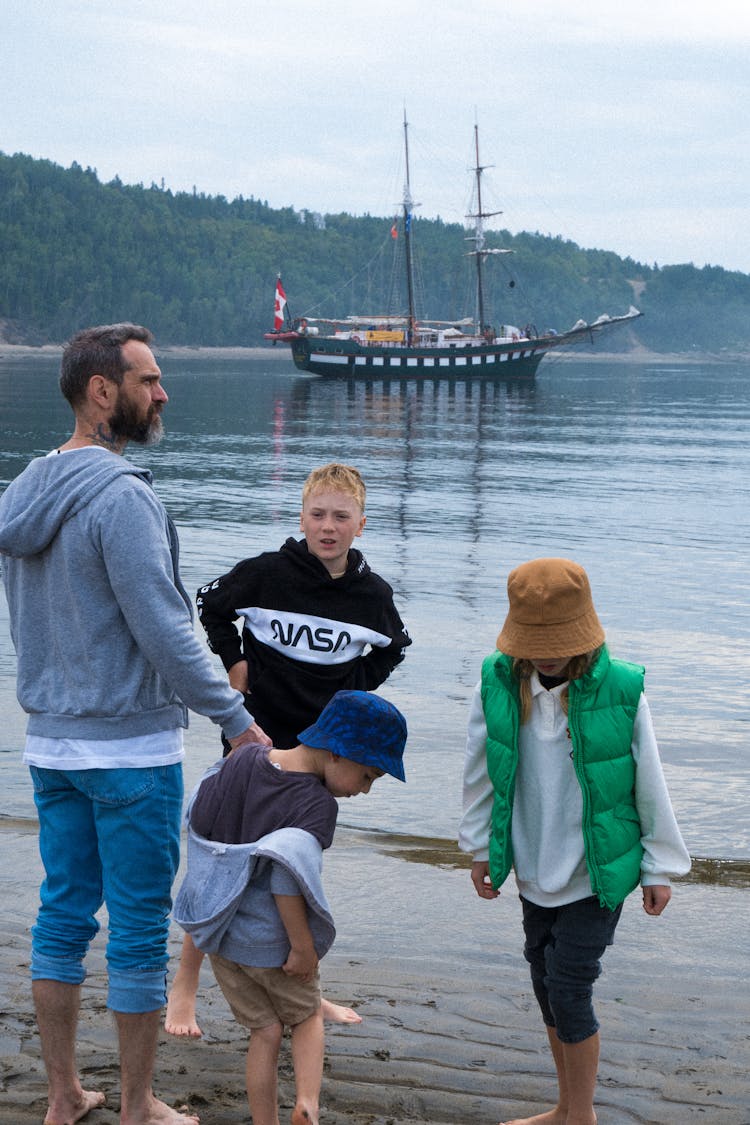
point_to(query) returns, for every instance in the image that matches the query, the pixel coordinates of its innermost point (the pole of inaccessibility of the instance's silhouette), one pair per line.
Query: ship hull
(344, 359)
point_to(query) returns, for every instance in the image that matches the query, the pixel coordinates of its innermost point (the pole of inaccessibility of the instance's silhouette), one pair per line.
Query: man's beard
(127, 425)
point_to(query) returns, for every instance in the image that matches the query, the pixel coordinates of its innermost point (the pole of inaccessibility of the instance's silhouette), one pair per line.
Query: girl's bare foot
(180, 1018)
(337, 1013)
(67, 1115)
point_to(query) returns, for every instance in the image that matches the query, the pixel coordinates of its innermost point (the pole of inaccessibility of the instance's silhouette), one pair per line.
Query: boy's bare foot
(180, 1017)
(303, 1117)
(337, 1013)
(68, 1115)
(554, 1116)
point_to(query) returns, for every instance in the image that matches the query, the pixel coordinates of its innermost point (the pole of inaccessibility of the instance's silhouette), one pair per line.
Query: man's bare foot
(68, 1115)
(159, 1113)
(337, 1013)
(180, 1017)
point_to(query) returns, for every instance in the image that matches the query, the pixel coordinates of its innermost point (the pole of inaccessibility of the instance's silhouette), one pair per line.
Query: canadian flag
(279, 306)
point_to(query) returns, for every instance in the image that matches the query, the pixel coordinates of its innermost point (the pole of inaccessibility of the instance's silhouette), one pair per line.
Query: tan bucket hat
(551, 612)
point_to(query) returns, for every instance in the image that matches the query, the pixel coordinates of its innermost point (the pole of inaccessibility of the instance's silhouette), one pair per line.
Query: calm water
(641, 473)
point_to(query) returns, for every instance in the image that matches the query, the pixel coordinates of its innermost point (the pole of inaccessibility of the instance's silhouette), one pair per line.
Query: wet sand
(451, 1034)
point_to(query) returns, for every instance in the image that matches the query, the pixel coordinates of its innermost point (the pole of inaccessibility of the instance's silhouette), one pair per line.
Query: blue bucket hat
(362, 727)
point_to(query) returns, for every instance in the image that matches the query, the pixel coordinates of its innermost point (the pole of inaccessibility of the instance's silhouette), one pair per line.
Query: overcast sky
(620, 125)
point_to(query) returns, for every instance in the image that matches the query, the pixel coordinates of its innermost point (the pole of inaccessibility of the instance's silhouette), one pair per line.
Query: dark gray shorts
(563, 947)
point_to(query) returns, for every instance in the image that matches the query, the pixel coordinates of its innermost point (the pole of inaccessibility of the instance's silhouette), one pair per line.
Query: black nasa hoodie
(305, 635)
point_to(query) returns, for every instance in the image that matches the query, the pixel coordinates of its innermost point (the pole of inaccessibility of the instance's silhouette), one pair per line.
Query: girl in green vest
(563, 783)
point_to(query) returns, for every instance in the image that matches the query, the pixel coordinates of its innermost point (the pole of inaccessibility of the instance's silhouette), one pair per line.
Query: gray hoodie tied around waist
(209, 904)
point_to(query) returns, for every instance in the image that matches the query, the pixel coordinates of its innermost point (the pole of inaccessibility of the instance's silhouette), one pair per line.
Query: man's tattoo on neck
(102, 435)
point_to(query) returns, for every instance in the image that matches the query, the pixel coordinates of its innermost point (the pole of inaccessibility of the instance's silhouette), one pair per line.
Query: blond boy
(314, 620)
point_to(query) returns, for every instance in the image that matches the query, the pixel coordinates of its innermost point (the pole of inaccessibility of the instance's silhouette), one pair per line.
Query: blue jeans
(563, 947)
(108, 836)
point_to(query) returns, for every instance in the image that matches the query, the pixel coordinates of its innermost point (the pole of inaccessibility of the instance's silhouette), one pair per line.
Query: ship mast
(479, 251)
(408, 206)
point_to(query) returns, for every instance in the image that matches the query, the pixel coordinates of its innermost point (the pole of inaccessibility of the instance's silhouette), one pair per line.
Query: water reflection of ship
(419, 423)
(377, 405)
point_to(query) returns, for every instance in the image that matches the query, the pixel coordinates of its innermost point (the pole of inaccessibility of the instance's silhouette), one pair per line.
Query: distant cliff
(200, 270)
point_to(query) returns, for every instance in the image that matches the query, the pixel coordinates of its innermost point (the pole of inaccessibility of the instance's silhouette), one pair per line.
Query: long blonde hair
(576, 667)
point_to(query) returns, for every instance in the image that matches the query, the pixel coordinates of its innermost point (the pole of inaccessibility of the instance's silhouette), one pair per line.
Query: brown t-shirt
(249, 797)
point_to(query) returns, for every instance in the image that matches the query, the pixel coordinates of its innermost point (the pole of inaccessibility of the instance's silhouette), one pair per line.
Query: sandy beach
(451, 1034)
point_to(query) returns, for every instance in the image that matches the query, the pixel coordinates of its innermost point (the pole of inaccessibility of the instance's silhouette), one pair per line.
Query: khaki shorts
(260, 997)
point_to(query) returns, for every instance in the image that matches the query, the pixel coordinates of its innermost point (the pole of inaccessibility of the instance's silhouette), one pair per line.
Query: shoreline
(451, 1034)
(187, 351)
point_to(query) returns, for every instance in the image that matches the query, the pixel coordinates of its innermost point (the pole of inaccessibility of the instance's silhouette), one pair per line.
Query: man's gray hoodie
(101, 623)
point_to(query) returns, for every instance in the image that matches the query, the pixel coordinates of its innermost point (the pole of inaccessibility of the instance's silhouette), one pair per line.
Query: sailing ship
(383, 346)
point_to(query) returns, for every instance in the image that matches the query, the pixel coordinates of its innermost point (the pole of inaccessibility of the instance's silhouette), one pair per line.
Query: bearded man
(108, 665)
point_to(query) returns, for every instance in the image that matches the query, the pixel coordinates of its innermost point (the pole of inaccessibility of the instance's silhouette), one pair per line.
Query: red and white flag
(279, 306)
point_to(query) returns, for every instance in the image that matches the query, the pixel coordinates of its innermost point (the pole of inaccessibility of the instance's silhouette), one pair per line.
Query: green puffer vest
(601, 713)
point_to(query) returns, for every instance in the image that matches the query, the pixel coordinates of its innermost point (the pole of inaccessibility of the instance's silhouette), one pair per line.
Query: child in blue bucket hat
(253, 898)
(363, 728)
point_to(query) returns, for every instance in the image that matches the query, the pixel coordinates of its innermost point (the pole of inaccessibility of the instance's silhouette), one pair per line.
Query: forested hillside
(201, 270)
